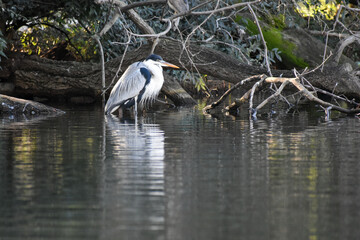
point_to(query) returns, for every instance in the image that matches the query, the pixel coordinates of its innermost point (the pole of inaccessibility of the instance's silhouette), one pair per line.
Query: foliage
(40, 39)
(282, 49)
(321, 8)
(50, 23)
(41, 26)
(200, 84)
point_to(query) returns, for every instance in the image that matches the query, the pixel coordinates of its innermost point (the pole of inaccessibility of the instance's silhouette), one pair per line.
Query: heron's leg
(135, 106)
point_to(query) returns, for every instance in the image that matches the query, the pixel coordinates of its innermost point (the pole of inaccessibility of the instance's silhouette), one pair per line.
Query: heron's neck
(156, 70)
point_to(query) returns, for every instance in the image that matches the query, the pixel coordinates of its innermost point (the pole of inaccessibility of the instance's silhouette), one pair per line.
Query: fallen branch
(16, 106)
(222, 98)
(274, 95)
(309, 95)
(248, 96)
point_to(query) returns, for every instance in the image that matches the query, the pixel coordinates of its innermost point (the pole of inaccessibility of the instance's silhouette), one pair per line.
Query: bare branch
(134, 16)
(262, 38)
(97, 38)
(141, 4)
(276, 94)
(109, 24)
(253, 89)
(334, 27)
(222, 98)
(309, 95)
(156, 35)
(120, 65)
(344, 43)
(330, 34)
(236, 5)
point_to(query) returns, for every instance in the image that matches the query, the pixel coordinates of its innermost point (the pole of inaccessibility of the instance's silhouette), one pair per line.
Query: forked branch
(248, 96)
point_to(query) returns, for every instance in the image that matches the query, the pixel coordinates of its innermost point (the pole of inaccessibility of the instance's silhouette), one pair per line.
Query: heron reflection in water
(139, 85)
(134, 180)
(143, 142)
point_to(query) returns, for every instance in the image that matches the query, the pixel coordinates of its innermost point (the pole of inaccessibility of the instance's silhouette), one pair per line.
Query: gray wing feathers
(128, 86)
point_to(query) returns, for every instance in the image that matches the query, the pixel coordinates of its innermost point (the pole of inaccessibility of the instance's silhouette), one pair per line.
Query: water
(179, 175)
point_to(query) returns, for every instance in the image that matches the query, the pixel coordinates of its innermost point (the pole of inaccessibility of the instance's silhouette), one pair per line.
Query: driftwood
(17, 106)
(261, 80)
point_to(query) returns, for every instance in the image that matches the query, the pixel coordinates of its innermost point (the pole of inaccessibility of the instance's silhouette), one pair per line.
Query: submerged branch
(222, 98)
(248, 96)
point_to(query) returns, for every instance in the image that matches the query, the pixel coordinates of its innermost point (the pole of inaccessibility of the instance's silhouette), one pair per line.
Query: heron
(179, 6)
(139, 85)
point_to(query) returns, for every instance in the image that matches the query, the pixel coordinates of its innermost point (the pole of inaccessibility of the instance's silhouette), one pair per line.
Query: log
(340, 80)
(48, 78)
(16, 106)
(63, 79)
(176, 93)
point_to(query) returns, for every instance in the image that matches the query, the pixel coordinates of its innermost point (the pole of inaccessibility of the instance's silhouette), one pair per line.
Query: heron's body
(139, 85)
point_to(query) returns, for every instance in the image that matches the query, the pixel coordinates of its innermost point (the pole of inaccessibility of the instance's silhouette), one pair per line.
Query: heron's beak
(166, 64)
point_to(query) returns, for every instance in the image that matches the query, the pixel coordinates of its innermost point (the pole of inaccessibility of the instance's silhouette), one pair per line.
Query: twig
(156, 35)
(262, 38)
(310, 96)
(187, 51)
(317, 67)
(141, 4)
(243, 57)
(109, 24)
(97, 38)
(330, 34)
(333, 95)
(253, 89)
(238, 102)
(341, 45)
(248, 96)
(334, 27)
(190, 11)
(277, 93)
(118, 70)
(222, 98)
(236, 5)
(327, 112)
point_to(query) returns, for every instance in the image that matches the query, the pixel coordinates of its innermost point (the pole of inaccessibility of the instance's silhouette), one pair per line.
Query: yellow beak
(166, 64)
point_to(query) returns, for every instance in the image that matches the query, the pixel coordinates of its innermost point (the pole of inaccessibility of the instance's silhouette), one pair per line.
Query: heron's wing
(128, 86)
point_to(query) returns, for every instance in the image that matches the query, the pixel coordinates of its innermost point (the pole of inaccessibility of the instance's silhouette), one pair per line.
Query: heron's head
(157, 60)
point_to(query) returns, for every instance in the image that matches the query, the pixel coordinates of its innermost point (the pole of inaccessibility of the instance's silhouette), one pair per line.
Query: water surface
(179, 175)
